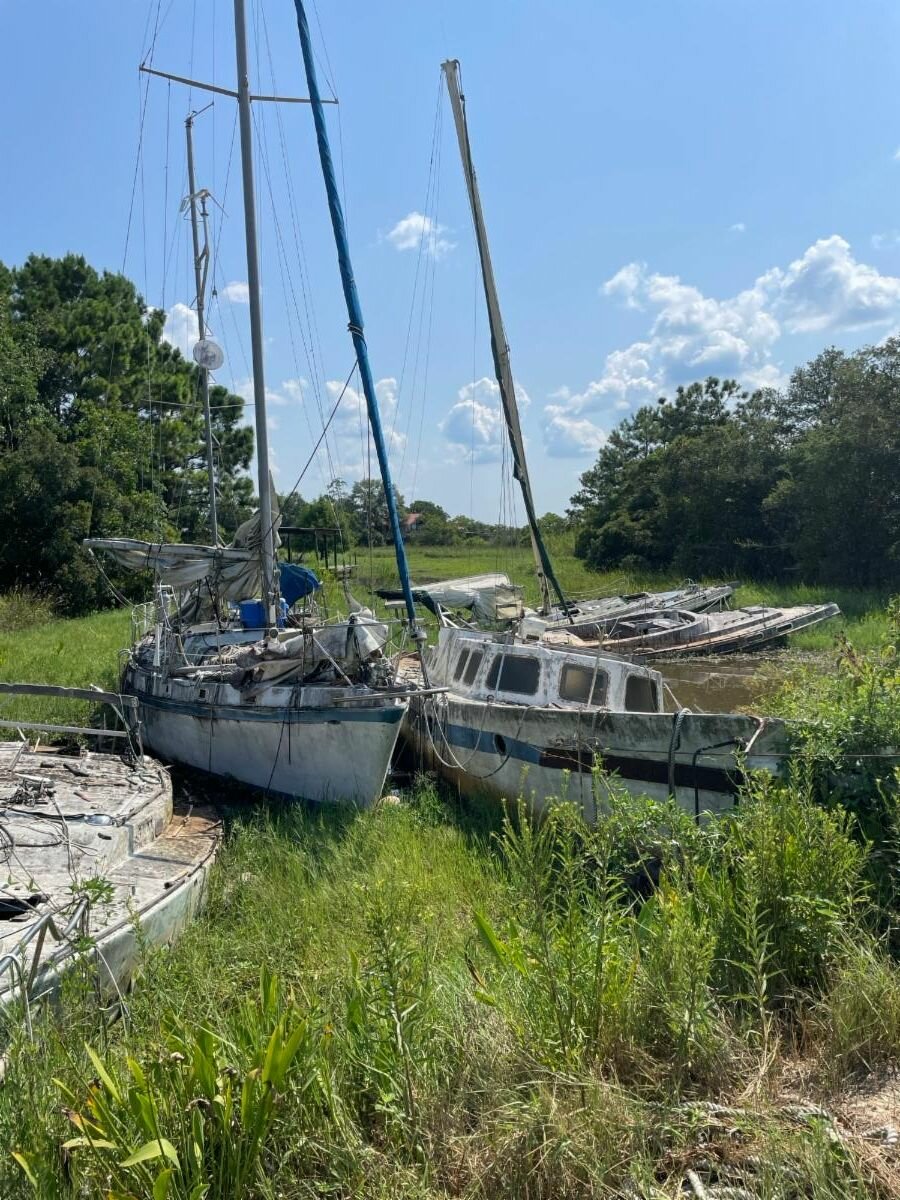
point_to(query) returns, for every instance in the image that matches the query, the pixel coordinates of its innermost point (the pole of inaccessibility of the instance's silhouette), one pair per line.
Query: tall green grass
(399, 1003)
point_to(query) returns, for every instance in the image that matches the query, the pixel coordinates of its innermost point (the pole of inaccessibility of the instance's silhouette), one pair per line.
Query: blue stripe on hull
(282, 716)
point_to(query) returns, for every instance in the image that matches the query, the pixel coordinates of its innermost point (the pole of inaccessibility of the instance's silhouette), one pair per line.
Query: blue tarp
(295, 582)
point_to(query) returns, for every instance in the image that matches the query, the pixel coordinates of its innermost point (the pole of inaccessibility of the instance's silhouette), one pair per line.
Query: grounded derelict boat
(493, 600)
(311, 714)
(680, 632)
(532, 721)
(518, 718)
(97, 861)
(308, 713)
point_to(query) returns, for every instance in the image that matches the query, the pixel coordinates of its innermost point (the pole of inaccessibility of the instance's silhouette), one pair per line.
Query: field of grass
(400, 1004)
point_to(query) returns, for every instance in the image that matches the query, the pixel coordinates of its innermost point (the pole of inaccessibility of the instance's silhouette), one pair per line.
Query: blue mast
(354, 310)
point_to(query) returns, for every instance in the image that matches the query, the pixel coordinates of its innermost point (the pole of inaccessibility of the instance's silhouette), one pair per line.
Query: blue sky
(671, 190)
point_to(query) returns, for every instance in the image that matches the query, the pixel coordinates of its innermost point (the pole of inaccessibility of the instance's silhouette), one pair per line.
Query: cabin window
(641, 694)
(491, 682)
(461, 664)
(582, 685)
(514, 673)
(472, 669)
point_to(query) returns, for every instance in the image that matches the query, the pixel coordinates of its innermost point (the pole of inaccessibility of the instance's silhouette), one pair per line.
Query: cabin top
(486, 665)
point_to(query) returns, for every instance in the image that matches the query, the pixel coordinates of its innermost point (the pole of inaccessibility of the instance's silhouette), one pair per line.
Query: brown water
(732, 682)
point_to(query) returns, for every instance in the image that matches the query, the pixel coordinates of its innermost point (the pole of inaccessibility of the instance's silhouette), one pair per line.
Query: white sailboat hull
(324, 753)
(505, 751)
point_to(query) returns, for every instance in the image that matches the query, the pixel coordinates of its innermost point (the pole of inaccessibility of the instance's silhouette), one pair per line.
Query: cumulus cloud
(691, 335)
(568, 436)
(348, 436)
(415, 230)
(181, 329)
(237, 292)
(828, 289)
(474, 425)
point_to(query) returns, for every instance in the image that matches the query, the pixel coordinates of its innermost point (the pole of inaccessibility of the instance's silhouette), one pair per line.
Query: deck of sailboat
(98, 863)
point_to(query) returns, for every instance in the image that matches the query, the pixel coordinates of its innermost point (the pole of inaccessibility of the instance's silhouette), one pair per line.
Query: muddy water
(732, 682)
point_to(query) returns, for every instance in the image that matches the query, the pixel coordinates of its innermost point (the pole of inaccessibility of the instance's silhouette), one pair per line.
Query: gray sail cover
(232, 572)
(490, 597)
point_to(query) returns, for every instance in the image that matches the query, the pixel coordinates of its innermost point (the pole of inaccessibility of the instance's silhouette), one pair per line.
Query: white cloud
(352, 451)
(737, 227)
(277, 398)
(886, 241)
(237, 292)
(474, 425)
(415, 230)
(181, 329)
(827, 289)
(897, 154)
(568, 436)
(691, 335)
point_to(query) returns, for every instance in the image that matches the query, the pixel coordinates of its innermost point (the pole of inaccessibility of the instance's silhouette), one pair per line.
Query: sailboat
(314, 713)
(533, 719)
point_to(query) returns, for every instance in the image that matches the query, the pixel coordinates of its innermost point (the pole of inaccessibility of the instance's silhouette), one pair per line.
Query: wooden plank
(68, 693)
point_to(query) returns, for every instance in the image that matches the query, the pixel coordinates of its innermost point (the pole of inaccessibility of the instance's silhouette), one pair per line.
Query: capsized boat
(310, 713)
(680, 632)
(529, 720)
(98, 862)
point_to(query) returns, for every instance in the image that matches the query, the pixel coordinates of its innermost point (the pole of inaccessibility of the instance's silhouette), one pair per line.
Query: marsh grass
(445, 1011)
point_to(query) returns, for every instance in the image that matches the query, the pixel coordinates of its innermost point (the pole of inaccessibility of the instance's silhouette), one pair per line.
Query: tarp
(296, 581)
(490, 598)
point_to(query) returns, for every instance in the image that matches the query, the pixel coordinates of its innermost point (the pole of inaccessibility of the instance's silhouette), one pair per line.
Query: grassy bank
(398, 1004)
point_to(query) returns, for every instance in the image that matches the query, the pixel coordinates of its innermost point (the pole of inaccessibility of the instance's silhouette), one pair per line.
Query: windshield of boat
(516, 673)
(641, 694)
(583, 684)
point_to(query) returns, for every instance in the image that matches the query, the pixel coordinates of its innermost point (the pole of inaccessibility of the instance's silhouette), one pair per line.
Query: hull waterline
(328, 754)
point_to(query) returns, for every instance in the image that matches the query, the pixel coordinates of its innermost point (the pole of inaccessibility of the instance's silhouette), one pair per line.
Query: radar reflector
(208, 354)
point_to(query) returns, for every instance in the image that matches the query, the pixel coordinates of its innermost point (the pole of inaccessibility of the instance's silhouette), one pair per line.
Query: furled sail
(229, 572)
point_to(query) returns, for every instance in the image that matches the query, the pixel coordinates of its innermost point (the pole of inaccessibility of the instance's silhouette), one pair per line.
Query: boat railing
(124, 708)
(66, 936)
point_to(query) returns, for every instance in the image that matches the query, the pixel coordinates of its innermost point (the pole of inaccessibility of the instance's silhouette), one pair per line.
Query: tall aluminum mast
(499, 345)
(267, 548)
(201, 268)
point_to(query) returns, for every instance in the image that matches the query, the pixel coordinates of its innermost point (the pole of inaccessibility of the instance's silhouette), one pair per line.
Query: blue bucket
(253, 613)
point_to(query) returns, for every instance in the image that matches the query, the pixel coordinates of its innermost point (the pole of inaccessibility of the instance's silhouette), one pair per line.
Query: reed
(525, 1012)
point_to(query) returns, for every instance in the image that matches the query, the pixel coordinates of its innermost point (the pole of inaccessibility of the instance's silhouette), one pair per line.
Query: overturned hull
(325, 744)
(542, 754)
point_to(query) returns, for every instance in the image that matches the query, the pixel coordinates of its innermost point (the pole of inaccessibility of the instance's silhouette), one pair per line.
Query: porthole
(500, 744)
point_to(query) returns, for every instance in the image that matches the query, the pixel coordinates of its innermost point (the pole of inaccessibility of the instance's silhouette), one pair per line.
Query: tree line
(100, 429)
(101, 435)
(802, 482)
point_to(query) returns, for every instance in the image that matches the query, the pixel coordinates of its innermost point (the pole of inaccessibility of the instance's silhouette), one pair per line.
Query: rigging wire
(422, 255)
(309, 334)
(315, 448)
